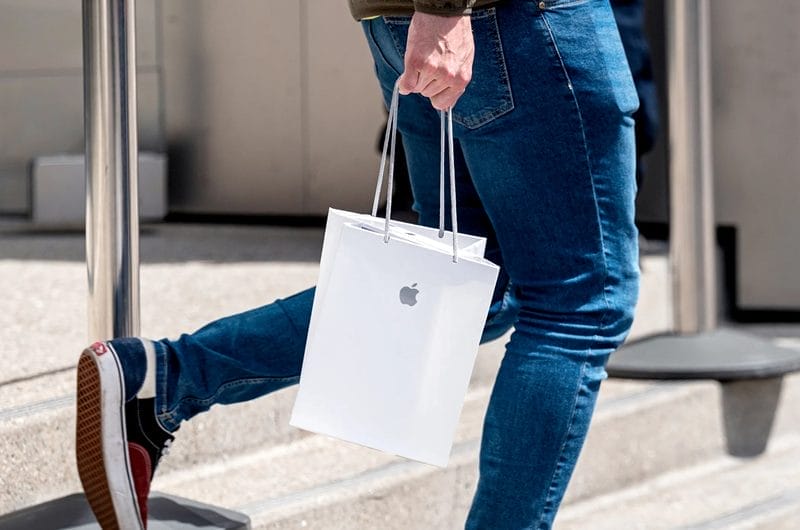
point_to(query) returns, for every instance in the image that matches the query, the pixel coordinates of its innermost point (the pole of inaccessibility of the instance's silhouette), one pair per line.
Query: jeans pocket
(488, 96)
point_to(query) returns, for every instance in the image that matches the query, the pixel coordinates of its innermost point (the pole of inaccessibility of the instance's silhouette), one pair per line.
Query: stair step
(725, 492)
(781, 512)
(38, 418)
(317, 481)
(657, 426)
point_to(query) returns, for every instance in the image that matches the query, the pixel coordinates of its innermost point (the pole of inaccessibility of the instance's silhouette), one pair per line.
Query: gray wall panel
(233, 106)
(41, 92)
(344, 111)
(756, 79)
(44, 115)
(14, 190)
(756, 76)
(47, 116)
(46, 35)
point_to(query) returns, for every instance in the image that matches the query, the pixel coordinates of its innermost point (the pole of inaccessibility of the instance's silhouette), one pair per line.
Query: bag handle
(389, 141)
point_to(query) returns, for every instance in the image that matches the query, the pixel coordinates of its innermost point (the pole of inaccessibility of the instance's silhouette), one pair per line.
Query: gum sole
(89, 443)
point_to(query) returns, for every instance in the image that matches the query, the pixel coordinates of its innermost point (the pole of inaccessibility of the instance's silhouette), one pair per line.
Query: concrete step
(37, 427)
(321, 480)
(657, 427)
(779, 513)
(722, 493)
(316, 482)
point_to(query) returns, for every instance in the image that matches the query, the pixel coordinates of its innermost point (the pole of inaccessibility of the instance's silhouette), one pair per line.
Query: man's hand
(438, 62)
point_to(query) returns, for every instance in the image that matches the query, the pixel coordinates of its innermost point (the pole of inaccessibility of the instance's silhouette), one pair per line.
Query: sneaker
(119, 442)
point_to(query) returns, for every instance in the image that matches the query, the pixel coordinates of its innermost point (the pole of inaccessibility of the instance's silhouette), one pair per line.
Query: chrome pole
(692, 226)
(112, 224)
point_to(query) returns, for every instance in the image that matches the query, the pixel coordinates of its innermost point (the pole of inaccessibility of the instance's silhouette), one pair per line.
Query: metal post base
(750, 369)
(721, 355)
(748, 414)
(166, 513)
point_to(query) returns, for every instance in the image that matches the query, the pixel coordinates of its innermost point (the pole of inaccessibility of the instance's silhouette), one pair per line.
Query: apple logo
(408, 295)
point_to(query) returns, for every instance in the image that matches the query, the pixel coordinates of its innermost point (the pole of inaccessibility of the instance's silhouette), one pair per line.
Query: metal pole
(692, 232)
(112, 224)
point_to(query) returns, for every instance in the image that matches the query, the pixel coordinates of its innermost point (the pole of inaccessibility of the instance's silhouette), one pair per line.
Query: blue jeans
(546, 134)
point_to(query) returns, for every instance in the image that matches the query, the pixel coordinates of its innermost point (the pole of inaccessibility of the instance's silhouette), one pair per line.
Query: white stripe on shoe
(101, 440)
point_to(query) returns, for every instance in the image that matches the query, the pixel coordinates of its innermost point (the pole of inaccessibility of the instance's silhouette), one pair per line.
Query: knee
(579, 317)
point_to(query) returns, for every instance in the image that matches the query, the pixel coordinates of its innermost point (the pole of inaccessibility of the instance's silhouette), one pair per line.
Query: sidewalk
(190, 274)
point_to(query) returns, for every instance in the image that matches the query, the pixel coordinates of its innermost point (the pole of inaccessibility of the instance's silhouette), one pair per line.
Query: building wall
(271, 107)
(41, 88)
(755, 52)
(261, 107)
(756, 127)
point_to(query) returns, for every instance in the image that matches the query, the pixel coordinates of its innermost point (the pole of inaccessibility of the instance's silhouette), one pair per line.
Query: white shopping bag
(397, 317)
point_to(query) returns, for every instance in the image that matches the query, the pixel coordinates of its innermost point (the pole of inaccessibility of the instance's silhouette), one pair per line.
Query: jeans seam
(484, 118)
(231, 384)
(163, 415)
(548, 499)
(161, 361)
(168, 416)
(603, 248)
(370, 26)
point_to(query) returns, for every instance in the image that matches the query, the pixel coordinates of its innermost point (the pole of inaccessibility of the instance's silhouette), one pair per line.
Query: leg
(234, 359)
(230, 360)
(546, 133)
(571, 249)
(133, 393)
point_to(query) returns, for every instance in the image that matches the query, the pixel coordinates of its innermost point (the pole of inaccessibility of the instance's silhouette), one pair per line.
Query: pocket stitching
(555, 4)
(478, 120)
(378, 48)
(397, 20)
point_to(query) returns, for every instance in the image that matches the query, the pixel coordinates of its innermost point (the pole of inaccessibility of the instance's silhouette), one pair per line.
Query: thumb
(407, 81)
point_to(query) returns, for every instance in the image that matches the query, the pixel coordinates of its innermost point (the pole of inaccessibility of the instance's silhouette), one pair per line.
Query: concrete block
(58, 188)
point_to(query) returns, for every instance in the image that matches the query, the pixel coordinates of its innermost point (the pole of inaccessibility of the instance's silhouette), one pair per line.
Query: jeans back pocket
(488, 95)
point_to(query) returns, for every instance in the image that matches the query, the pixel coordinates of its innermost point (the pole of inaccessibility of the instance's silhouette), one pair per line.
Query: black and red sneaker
(147, 443)
(118, 441)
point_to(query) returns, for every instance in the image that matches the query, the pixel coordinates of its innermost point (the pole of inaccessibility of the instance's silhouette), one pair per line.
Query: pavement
(190, 274)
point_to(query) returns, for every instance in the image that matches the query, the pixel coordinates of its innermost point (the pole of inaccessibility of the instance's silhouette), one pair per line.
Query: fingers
(441, 86)
(434, 87)
(408, 81)
(446, 99)
(442, 93)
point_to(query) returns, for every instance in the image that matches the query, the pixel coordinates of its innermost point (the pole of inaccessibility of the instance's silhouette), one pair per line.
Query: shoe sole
(101, 442)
